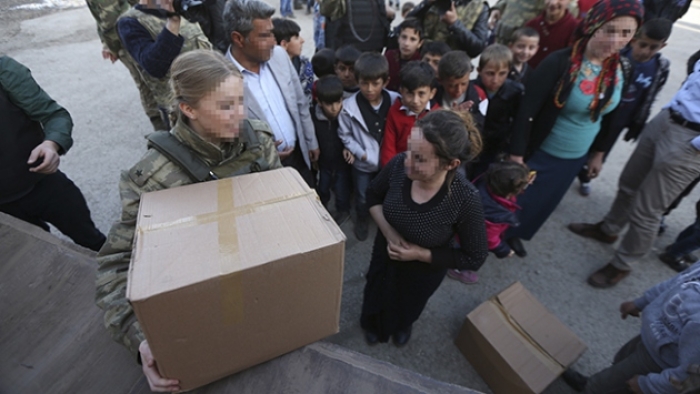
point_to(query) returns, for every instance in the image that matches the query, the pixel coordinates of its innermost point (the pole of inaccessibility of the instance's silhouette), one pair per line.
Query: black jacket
(363, 26)
(538, 113)
(498, 124)
(329, 142)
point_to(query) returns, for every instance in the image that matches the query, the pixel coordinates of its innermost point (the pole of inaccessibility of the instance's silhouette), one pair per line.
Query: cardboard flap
(540, 325)
(225, 226)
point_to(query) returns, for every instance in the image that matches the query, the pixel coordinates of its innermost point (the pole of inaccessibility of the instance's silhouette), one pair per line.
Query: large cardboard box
(516, 344)
(231, 273)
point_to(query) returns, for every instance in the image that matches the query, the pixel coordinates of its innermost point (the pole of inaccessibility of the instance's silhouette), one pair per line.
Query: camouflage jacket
(194, 39)
(469, 33)
(106, 14)
(156, 172)
(515, 13)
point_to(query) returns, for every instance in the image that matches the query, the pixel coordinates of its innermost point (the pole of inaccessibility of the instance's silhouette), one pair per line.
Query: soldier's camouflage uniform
(516, 13)
(156, 172)
(106, 14)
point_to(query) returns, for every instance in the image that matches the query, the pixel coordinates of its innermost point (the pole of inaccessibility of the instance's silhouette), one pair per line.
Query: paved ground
(63, 52)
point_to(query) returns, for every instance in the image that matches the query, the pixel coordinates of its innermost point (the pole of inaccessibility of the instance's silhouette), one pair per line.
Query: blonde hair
(197, 73)
(496, 54)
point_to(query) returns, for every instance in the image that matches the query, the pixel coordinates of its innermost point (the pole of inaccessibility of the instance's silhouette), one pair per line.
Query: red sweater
(393, 57)
(397, 130)
(552, 37)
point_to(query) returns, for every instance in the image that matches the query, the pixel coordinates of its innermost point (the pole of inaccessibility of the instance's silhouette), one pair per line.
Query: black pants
(296, 161)
(56, 200)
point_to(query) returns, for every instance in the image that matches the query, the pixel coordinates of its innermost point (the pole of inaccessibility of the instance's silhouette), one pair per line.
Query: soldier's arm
(113, 269)
(106, 13)
(17, 81)
(269, 150)
(475, 40)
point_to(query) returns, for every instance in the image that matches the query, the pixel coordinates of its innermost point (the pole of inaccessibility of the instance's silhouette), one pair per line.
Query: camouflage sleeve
(106, 13)
(115, 256)
(269, 150)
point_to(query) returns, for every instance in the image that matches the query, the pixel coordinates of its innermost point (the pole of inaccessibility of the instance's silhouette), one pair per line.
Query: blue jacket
(671, 328)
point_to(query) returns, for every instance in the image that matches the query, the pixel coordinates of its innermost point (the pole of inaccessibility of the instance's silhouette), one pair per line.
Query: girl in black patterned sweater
(420, 202)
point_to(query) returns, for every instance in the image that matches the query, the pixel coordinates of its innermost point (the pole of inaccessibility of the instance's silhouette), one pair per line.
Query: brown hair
(453, 135)
(197, 73)
(507, 177)
(497, 54)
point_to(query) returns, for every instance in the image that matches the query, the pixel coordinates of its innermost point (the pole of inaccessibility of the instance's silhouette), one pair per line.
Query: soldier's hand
(314, 154)
(107, 54)
(450, 16)
(44, 158)
(155, 381)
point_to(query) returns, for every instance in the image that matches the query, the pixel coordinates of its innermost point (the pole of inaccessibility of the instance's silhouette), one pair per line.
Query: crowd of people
(388, 124)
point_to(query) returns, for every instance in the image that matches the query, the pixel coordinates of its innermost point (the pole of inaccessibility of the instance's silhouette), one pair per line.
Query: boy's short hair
(329, 89)
(407, 7)
(439, 48)
(507, 177)
(416, 74)
(347, 54)
(523, 32)
(412, 23)
(454, 64)
(372, 66)
(323, 62)
(656, 29)
(496, 54)
(284, 29)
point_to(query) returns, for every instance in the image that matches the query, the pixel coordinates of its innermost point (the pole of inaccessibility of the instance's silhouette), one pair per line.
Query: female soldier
(420, 202)
(209, 94)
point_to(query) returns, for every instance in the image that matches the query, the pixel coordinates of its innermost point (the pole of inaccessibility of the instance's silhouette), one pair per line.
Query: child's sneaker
(466, 277)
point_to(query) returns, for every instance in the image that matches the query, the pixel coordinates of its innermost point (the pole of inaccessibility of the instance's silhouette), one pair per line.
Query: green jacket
(23, 91)
(156, 172)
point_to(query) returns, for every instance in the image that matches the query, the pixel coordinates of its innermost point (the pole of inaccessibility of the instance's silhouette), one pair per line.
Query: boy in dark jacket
(498, 189)
(503, 97)
(649, 72)
(410, 42)
(334, 171)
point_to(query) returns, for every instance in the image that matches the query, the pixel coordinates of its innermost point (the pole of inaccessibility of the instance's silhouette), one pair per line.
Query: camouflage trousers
(157, 116)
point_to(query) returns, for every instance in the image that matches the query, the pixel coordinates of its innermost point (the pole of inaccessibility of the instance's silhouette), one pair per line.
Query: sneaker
(585, 189)
(677, 264)
(340, 217)
(361, 229)
(575, 380)
(466, 277)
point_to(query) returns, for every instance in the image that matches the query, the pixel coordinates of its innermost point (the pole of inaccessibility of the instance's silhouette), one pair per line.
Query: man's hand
(463, 107)
(107, 54)
(450, 16)
(628, 308)
(155, 381)
(595, 164)
(314, 154)
(633, 385)
(348, 156)
(285, 153)
(495, 15)
(47, 153)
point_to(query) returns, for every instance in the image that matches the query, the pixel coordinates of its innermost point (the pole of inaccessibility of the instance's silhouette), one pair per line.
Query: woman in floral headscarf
(565, 99)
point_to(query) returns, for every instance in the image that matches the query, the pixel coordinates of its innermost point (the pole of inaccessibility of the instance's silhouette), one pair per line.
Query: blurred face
(524, 49)
(409, 42)
(258, 44)
(456, 87)
(418, 99)
(555, 9)
(346, 74)
(611, 37)
(644, 48)
(372, 89)
(493, 76)
(293, 46)
(421, 163)
(433, 60)
(331, 110)
(217, 116)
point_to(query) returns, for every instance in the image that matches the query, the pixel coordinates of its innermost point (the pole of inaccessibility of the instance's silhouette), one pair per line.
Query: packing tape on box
(524, 334)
